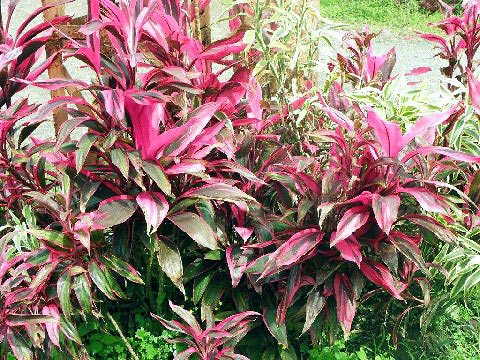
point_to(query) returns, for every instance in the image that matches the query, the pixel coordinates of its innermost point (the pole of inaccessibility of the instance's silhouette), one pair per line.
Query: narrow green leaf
(84, 145)
(122, 268)
(120, 160)
(83, 293)
(53, 239)
(200, 285)
(18, 345)
(155, 171)
(196, 228)
(100, 280)
(63, 291)
(279, 331)
(215, 289)
(170, 261)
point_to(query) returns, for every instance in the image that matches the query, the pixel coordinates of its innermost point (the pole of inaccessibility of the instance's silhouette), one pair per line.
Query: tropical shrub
(296, 208)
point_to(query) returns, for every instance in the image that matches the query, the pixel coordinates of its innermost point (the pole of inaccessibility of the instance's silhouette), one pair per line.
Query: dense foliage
(273, 210)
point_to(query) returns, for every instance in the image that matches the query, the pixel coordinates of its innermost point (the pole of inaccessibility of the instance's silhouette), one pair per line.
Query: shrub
(178, 164)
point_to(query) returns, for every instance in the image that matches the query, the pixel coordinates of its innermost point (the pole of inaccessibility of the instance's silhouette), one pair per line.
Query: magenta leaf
(385, 209)
(155, 207)
(419, 71)
(346, 306)
(427, 200)
(352, 220)
(473, 89)
(388, 134)
(350, 249)
(292, 250)
(379, 274)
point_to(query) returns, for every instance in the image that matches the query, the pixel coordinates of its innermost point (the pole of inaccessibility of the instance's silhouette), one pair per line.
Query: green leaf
(279, 331)
(63, 290)
(120, 160)
(18, 345)
(69, 330)
(87, 192)
(200, 285)
(170, 261)
(53, 239)
(66, 129)
(315, 304)
(41, 171)
(42, 275)
(411, 252)
(26, 132)
(100, 280)
(113, 284)
(84, 145)
(222, 192)
(196, 228)
(122, 268)
(116, 210)
(21, 319)
(215, 289)
(155, 171)
(83, 293)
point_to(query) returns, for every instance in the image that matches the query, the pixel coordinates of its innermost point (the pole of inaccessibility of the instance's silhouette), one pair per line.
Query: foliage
(106, 344)
(216, 341)
(254, 197)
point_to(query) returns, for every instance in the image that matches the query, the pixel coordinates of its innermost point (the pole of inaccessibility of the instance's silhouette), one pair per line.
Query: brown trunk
(205, 26)
(56, 70)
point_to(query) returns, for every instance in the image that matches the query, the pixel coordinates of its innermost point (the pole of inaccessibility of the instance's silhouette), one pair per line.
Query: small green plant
(147, 341)
(338, 351)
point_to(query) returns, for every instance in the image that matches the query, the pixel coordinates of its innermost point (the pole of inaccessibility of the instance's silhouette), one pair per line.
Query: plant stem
(127, 344)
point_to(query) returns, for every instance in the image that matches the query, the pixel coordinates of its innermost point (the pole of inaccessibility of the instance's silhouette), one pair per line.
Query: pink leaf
(473, 89)
(293, 250)
(456, 155)
(350, 249)
(352, 220)
(427, 200)
(185, 168)
(379, 274)
(385, 209)
(53, 329)
(388, 134)
(254, 96)
(425, 123)
(419, 71)
(175, 141)
(155, 207)
(244, 233)
(346, 307)
(436, 39)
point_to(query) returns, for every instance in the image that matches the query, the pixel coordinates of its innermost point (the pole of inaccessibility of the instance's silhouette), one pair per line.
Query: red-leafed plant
(461, 37)
(216, 342)
(346, 216)
(361, 67)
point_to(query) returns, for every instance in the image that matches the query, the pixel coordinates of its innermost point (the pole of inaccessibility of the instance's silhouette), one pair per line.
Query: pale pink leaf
(385, 209)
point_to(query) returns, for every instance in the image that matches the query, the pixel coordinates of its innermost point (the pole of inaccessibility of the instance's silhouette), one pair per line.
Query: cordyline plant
(159, 144)
(461, 37)
(217, 342)
(347, 216)
(361, 67)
